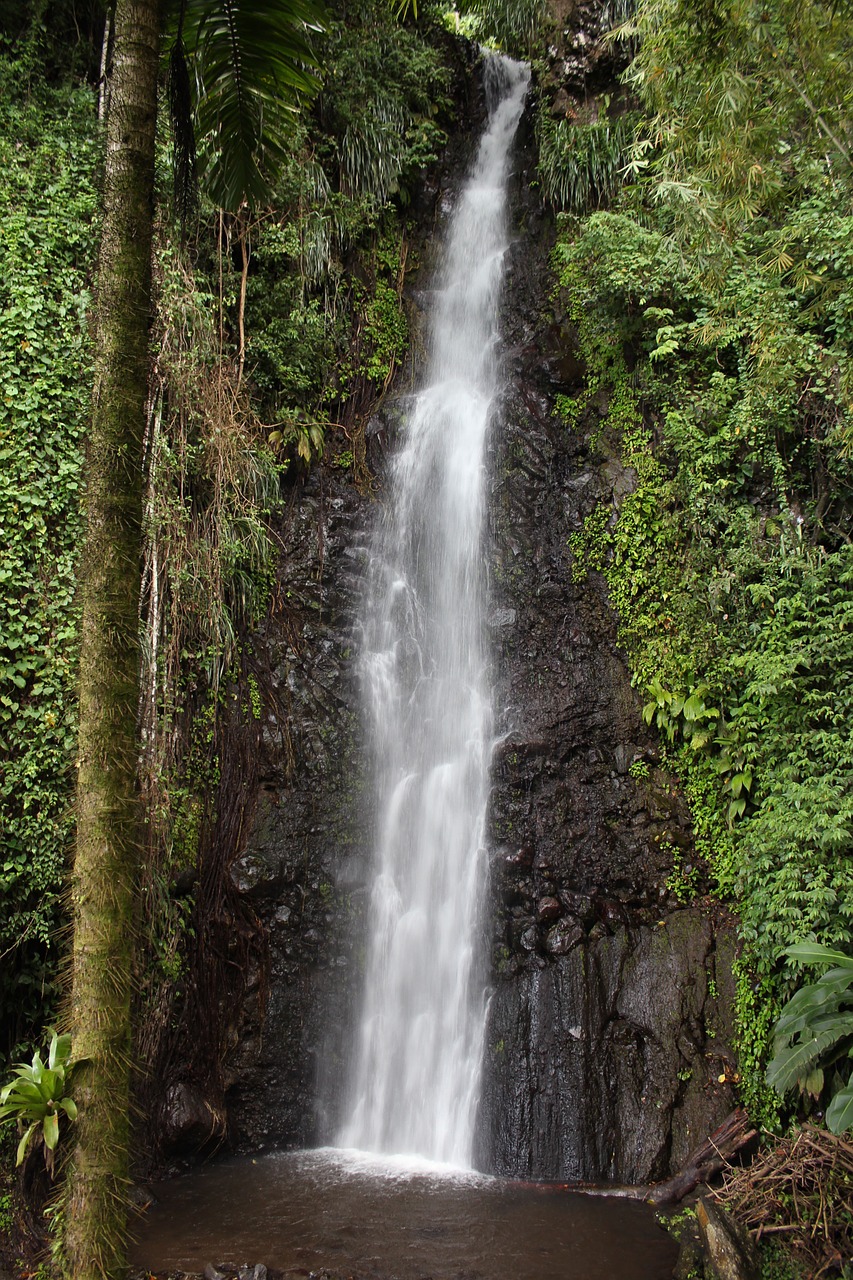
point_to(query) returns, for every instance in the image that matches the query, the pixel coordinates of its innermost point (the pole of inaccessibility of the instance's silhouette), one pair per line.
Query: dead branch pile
(802, 1192)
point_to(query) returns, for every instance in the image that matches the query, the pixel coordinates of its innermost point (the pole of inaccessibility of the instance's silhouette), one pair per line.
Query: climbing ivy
(48, 206)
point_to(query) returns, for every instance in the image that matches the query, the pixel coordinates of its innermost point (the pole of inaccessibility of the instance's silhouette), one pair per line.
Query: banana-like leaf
(839, 1113)
(838, 979)
(795, 1061)
(793, 1022)
(806, 1005)
(814, 953)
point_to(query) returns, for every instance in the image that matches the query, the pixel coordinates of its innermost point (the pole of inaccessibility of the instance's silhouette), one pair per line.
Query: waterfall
(426, 688)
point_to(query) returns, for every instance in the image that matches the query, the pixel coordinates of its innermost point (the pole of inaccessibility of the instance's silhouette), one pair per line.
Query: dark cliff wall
(304, 871)
(605, 1041)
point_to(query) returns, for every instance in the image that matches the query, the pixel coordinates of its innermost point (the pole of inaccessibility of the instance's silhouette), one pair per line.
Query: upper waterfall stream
(426, 685)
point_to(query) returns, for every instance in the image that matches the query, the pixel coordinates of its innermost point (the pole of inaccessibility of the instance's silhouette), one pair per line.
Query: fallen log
(712, 1155)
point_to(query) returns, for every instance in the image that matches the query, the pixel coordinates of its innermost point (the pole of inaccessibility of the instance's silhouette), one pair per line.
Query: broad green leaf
(839, 1113)
(814, 953)
(812, 1084)
(24, 1143)
(50, 1129)
(793, 1020)
(69, 1106)
(693, 707)
(791, 1063)
(60, 1050)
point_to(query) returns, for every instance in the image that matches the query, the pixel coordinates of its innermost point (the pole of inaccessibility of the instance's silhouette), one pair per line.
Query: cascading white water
(417, 1068)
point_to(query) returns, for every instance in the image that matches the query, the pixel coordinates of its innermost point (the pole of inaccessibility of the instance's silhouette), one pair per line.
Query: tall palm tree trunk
(108, 845)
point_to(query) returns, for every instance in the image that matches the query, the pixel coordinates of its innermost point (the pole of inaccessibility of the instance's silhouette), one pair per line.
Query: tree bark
(108, 844)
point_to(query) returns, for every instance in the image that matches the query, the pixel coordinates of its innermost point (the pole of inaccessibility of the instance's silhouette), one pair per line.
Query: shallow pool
(406, 1220)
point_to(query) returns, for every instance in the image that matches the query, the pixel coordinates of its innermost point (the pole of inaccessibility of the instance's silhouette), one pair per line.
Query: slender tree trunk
(108, 844)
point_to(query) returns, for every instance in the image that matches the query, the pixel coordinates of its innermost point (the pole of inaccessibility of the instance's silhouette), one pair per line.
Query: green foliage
(385, 103)
(719, 341)
(683, 880)
(777, 1263)
(246, 69)
(513, 25)
(48, 205)
(36, 1096)
(581, 163)
(814, 1032)
(52, 40)
(386, 332)
(687, 715)
(743, 102)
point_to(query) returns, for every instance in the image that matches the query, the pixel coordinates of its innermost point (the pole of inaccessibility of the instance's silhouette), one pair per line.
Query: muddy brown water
(304, 1211)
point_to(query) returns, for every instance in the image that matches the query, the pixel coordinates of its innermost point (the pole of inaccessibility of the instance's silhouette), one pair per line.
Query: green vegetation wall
(704, 261)
(48, 238)
(275, 335)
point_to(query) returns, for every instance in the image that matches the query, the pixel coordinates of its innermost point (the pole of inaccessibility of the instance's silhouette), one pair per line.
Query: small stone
(613, 914)
(213, 1273)
(547, 909)
(580, 904)
(530, 938)
(565, 935)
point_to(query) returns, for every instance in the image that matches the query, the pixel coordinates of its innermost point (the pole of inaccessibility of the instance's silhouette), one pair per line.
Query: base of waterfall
(350, 1214)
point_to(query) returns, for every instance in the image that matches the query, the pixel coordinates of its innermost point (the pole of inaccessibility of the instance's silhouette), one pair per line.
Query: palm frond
(253, 65)
(514, 24)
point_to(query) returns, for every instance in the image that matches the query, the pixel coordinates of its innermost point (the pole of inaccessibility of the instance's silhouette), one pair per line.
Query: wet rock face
(581, 60)
(607, 1027)
(605, 1039)
(305, 853)
(305, 866)
(599, 1061)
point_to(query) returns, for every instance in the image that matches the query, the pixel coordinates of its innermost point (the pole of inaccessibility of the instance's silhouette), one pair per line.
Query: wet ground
(345, 1212)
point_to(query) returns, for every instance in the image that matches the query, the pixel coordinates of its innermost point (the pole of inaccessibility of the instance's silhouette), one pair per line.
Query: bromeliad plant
(814, 1035)
(37, 1094)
